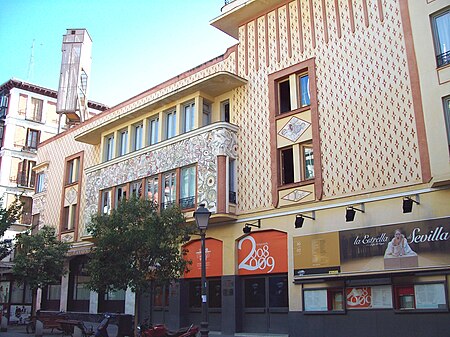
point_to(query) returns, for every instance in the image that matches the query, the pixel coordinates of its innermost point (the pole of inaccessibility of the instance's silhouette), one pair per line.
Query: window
(206, 116)
(214, 289)
(121, 194)
(303, 85)
(187, 190)
(447, 118)
(284, 96)
(136, 189)
(109, 147)
(35, 113)
(307, 161)
(170, 189)
(54, 292)
(2, 130)
(138, 137)
(32, 139)
(369, 297)
(161, 296)
(225, 111)
(3, 105)
(287, 166)
(152, 189)
(441, 33)
(69, 217)
(171, 124)
(106, 202)
(290, 165)
(232, 181)
(40, 182)
(421, 296)
(153, 129)
(293, 92)
(188, 116)
(331, 299)
(27, 203)
(123, 142)
(73, 171)
(25, 175)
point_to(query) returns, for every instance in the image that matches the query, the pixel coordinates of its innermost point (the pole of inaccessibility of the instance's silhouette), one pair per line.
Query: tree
(8, 216)
(39, 259)
(135, 245)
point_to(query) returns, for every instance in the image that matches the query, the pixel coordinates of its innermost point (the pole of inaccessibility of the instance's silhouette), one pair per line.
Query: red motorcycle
(160, 330)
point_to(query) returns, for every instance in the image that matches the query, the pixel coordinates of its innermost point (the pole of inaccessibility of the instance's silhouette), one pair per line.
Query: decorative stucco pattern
(363, 90)
(201, 149)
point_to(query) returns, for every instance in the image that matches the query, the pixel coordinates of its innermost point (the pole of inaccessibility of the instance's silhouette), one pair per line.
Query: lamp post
(201, 216)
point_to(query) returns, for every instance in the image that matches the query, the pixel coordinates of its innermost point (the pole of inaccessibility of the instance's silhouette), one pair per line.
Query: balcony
(237, 12)
(443, 59)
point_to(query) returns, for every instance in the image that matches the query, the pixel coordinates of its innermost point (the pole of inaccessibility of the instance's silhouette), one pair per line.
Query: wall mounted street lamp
(351, 211)
(299, 219)
(248, 226)
(408, 203)
(201, 216)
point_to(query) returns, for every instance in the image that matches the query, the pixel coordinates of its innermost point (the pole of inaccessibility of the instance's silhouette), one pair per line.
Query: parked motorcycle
(102, 329)
(160, 330)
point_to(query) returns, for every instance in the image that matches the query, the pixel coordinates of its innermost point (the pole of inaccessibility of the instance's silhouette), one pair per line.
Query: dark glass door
(266, 305)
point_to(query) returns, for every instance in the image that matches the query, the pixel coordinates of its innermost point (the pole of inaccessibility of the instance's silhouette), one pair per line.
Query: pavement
(21, 331)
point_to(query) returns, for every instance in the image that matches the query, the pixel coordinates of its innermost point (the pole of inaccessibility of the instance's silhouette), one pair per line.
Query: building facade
(27, 117)
(320, 143)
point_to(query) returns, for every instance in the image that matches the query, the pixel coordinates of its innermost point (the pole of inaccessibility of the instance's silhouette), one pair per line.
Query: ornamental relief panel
(202, 149)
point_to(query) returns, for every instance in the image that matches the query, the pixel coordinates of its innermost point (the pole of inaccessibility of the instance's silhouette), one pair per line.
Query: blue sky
(136, 43)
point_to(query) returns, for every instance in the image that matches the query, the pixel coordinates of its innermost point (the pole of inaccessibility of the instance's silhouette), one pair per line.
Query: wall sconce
(408, 203)
(247, 229)
(351, 211)
(299, 219)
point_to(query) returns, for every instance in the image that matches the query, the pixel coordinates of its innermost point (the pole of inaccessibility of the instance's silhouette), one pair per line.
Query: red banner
(214, 258)
(262, 253)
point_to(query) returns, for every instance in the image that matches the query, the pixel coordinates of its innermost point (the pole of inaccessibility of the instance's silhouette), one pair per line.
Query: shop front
(386, 274)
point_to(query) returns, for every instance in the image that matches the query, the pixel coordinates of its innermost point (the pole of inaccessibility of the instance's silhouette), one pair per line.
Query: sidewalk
(21, 331)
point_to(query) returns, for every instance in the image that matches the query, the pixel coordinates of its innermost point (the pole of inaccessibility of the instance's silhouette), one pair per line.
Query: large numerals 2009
(257, 258)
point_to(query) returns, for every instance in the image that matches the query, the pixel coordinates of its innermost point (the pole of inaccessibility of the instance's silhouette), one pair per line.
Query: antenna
(31, 63)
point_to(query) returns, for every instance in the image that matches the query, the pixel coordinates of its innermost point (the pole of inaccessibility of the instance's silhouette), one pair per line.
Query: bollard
(4, 324)
(39, 329)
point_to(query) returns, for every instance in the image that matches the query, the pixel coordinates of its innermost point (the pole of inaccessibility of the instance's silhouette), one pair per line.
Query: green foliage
(40, 258)
(8, 216)
(136, 244)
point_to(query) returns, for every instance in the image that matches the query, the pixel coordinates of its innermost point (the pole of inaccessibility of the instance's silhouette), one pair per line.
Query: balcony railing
(443, 59)
(188, 202)
(167, 204)
(232, 197)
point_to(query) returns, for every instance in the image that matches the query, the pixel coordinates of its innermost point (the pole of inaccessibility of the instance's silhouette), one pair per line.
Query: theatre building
(320, 144)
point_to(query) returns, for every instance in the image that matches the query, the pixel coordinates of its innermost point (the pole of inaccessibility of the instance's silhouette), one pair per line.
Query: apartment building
(27, 117)
(319, 142)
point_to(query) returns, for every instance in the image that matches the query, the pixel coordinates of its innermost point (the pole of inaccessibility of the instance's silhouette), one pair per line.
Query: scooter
(102, 329)
(160, 330)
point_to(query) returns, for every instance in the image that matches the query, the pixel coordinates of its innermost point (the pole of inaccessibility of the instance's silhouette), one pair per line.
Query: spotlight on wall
(248, 226)
(299, 219)
(351, 211)
(408, 203)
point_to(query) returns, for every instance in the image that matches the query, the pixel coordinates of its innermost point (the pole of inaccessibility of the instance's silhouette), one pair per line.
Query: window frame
(330, 300)
(153, 130)
(152, 179)
(170, 124)
(399, 291)
(33, 137)
(109, 147)
(73, 170)
(171, 198)
(442, 58)
(187, 200)
(206, 112)
(138, 136)
(122, 148)
(188, 115)
(40, 180)
(446, 103)
(36, 112)
(225, 111)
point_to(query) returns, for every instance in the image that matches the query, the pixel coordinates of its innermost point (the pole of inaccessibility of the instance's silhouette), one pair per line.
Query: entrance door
(265, 304)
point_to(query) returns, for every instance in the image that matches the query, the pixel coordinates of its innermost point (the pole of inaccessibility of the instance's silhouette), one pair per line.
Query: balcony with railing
(443, 59)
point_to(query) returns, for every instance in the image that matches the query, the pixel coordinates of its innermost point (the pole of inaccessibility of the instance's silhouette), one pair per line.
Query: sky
(137, 44)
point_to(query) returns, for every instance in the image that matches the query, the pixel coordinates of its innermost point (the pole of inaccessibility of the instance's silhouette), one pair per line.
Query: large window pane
(170, 192)
(188, 116)
(152, 189)
(153, 129)
(278, 293)
(255, 293)
(442, 37)
(304, 91)
(187, 191)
